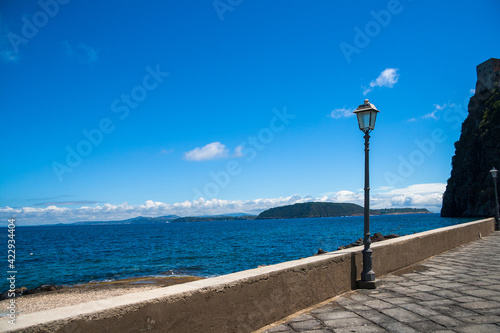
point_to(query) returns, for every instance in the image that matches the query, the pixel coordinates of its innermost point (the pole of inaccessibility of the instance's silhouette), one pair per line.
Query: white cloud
(437, 109)
(418, 196)
(434, 114)
(7, 53)
(82, 52)
(431, 115)
(421, 189)
(211, 151)
(238, 151)
(91, 54)
(384, 188)
(387, 78)
(428, 196)
(341, 113)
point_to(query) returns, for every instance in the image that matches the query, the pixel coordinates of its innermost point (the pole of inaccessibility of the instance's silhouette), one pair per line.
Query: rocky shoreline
(50, 296)
(136, 282)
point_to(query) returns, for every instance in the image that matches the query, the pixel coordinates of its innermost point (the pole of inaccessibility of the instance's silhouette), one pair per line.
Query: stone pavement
(457, 291)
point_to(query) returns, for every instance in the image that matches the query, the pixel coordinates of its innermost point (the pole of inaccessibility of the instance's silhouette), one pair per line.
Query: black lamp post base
(360, 284)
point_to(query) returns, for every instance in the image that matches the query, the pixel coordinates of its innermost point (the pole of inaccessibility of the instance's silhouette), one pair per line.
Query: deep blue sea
(68, 255)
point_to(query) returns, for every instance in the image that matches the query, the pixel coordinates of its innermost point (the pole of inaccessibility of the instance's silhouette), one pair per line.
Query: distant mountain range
(169, 218)
(135, 220)
(300, 210)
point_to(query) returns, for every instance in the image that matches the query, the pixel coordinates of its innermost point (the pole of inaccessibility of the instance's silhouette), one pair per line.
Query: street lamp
(494, 174)
(367, 114)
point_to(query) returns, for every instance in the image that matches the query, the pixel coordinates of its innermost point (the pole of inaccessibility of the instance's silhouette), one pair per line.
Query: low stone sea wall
(247, 300)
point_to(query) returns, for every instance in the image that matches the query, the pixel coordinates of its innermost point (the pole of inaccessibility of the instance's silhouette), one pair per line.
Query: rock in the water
(358, 242)
(17, 292)
(42, 288)
(25, 291)
(377, 237)
(390, 236)
(320, 251)
(47, 287)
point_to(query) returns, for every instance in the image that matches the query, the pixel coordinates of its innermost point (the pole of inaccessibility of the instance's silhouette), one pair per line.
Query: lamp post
(367, 114)
(494, 174)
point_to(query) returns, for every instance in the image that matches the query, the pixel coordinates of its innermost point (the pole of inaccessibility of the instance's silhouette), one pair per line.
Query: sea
(71, 255)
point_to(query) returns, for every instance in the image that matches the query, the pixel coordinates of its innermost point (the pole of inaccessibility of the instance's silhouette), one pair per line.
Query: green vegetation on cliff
(328, 209)
(469, 191)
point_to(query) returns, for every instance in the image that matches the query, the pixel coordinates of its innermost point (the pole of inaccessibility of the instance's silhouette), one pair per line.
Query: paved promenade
(458, 291)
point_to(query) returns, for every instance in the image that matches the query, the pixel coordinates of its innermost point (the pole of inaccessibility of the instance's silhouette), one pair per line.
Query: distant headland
(329, 209)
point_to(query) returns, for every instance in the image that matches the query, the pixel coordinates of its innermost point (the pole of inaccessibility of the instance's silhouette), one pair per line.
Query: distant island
(297, 211)
(329, 209)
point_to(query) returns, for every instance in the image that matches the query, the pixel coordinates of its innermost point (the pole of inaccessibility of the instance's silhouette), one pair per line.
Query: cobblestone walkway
(458, 291)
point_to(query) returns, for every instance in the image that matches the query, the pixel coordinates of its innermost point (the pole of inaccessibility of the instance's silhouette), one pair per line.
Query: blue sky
(113, 110)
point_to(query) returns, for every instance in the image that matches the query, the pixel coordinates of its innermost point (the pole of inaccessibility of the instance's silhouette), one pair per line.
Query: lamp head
(367, 114)
(494, 173)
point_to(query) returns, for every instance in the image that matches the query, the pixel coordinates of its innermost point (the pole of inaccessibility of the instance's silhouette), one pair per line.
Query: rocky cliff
(469, 191)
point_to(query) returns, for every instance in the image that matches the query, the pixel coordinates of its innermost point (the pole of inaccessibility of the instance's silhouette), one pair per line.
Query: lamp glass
(494, 173)
(373, 117)
(363, 120)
